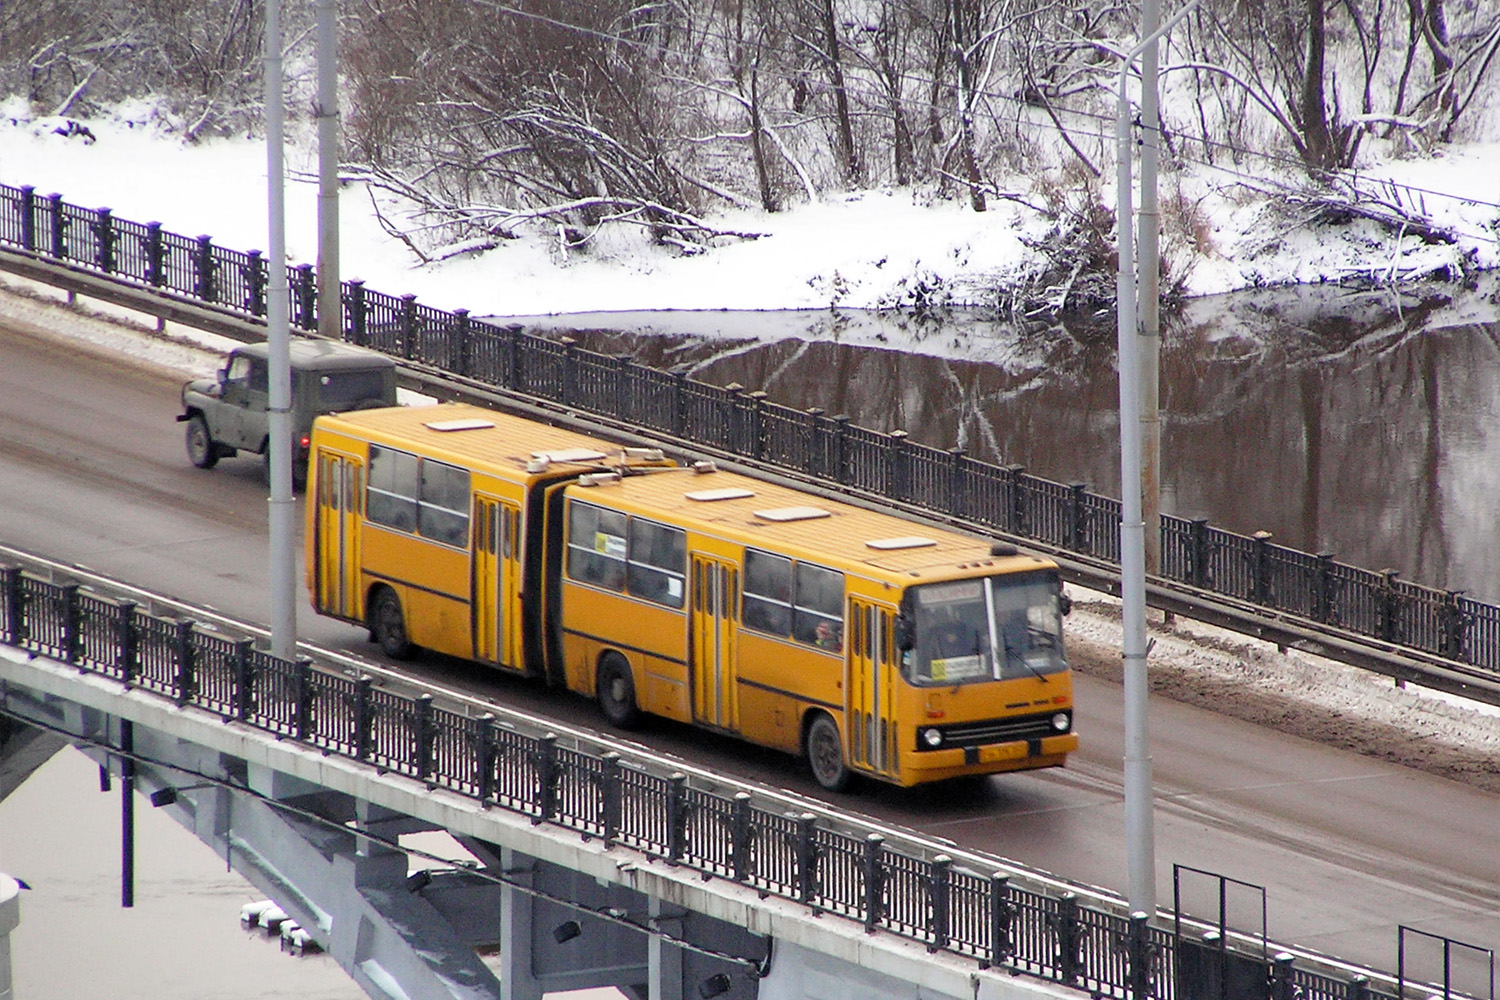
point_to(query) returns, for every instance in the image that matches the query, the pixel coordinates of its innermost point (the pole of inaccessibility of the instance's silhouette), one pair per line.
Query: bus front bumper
(993, 758)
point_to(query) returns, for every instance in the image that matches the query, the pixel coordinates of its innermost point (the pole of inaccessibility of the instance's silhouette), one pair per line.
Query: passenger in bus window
(830, 635)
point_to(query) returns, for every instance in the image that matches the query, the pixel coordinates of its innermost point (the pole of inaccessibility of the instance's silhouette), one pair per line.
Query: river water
(1366, 423)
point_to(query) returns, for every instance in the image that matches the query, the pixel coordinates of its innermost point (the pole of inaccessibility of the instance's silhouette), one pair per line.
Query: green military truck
(228, 414)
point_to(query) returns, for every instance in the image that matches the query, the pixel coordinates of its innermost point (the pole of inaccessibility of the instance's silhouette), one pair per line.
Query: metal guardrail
(885, 885)
(1458, 634)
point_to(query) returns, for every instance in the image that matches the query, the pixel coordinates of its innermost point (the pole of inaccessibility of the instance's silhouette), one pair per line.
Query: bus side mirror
(1064, 603)
(905, 637)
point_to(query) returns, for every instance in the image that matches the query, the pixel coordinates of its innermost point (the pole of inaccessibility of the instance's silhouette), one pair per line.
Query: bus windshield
(995, 628)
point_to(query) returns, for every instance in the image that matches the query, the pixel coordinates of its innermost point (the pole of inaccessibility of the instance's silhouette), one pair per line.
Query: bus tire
(202, 450)
(616, 692)
(825, 754)
(388, 625)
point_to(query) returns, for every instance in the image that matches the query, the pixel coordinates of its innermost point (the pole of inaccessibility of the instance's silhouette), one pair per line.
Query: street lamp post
(1140, 831)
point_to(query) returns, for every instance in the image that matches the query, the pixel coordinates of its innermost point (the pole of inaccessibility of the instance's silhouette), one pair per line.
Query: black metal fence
(887, 887)
(1251, 569)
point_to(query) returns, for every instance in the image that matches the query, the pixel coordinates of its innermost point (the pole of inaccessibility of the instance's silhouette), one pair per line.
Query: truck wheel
(388, 625)
(202, 450)
(616, 691)
(825, 754)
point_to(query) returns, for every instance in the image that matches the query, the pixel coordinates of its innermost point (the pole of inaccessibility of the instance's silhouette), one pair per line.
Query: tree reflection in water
(1360, 422)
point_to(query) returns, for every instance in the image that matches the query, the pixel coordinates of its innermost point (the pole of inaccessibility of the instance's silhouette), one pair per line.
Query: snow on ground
(868, 250)
(864, 250)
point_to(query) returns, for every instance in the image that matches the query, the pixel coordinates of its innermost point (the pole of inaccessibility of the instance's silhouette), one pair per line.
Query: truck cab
(229, 414)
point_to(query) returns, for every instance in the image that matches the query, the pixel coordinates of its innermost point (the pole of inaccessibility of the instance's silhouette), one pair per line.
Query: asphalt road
(93, 472)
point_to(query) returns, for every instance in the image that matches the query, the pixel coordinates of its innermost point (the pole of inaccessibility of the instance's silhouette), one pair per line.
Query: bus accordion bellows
(865, 642)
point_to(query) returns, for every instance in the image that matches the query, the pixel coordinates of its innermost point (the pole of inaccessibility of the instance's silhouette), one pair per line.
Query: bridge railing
(1250, 569)
(889, 887)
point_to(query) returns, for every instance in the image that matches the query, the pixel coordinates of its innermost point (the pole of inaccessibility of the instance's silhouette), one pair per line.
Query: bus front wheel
(202, 450)
(616, 690)
(825, 754)
(388, 625)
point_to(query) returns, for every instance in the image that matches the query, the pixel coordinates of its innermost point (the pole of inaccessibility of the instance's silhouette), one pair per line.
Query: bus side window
(768, 588)
(596, 546)
(818, 607)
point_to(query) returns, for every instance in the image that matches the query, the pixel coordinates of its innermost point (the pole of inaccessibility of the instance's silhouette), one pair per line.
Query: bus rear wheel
(388, 625)
(825, 754)
(616, 691)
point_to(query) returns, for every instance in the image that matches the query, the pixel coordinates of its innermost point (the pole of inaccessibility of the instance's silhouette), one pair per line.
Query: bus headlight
(932, 737)
(1061, 722)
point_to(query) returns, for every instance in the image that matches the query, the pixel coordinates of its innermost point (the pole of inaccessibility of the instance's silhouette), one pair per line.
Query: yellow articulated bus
(865, 642)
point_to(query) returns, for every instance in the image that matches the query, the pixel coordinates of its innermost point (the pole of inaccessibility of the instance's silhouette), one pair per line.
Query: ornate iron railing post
(546, 775)
(461, 332)
(408, 326)
(1390, 607)
(156, 256)
(1001, 915)
(807, 859)
(1283, 986)
(104, 235)
(840, 470)
(128, 661)
(1015, 508)
(185, 653)
(1455, 624)
(740, 835)
(958, 496)
(1323, 589)
(58, 221)
(304, 297)
(255, 280)
(1138, 950)
(610, 797)
(1077, 501)
(677, 810)
(874, 877)
(756, 424)
(363, 718)
(15, 606)
(939, 871)
(244, 680)
(203, 270)
(28, 218)
(422, 710)
(1069, 939)
(1198, 539)
(303, 686)
(486, 751)
(815, 457)
(1260, 569)
(356, 333)
(71, 642)
(897, 466)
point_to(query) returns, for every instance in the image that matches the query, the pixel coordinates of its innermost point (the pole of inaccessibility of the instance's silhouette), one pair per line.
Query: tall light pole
(278, 337)
(1140, 832)
(330, 307)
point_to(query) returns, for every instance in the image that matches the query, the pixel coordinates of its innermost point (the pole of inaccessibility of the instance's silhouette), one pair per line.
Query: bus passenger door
(340, 494)
(497, 581)
(712, 621)
(872, 737)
